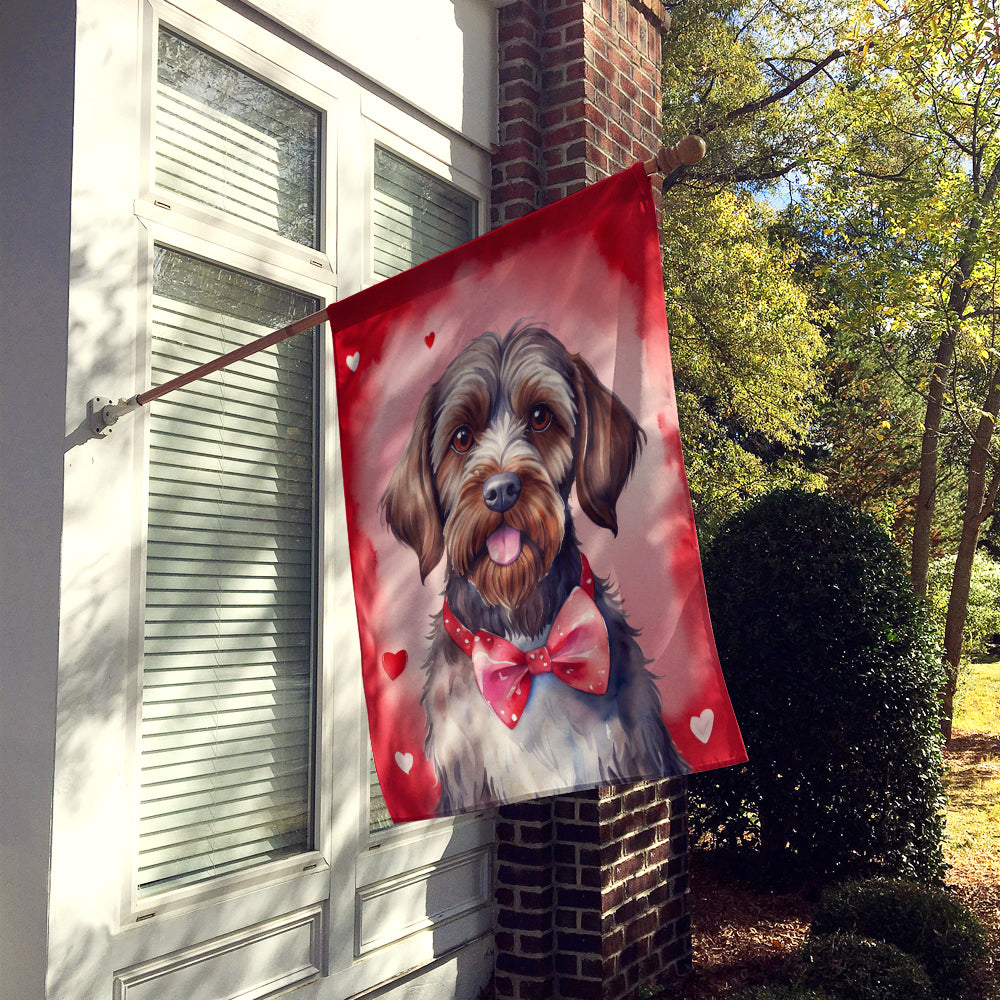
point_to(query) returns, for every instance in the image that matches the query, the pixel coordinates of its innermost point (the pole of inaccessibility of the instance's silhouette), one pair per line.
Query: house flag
(529, 594)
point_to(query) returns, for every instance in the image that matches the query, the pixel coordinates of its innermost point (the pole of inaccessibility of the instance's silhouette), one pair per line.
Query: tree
(913, 185)
(746, 75)
(747, 358)
(746, 350)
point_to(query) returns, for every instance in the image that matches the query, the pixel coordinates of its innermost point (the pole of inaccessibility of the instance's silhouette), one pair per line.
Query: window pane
(228, 140)
(416, 216)
(228, 655)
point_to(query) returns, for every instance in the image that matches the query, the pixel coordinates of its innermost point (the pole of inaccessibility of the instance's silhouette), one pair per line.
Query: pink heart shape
(702, 725)
(394, 663)
(429, 339)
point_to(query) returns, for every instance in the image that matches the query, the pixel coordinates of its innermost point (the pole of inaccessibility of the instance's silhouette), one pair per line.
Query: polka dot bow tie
(576, 652)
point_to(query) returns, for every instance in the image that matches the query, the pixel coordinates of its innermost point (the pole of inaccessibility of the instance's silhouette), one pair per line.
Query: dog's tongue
(504, 545)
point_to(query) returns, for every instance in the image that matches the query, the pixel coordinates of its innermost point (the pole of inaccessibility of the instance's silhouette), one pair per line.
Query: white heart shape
(404, 761)
(353, 360)
(701, 725)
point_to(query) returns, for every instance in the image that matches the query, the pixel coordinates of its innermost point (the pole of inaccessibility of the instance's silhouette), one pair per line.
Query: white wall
(71, 293)
(36, 108)
(416, 49)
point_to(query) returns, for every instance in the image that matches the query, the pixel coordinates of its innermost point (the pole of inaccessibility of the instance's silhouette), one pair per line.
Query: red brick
(520, 876)
(520, 111)
(581, 989)
(530, 899)
(567, 964)
(521, 130)
(570, 15)
(567, 133)
(642, 882)
(521, 91)
(510, 152)
(538, 967)
(536, 944)
(518, 49)
(551, 39)
(565, 54)
(520, 920)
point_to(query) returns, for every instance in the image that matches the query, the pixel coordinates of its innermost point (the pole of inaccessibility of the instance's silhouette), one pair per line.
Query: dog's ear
(607, 446)
(410, 502)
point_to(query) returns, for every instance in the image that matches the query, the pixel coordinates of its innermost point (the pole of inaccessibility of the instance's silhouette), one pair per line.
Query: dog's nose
(501, 491)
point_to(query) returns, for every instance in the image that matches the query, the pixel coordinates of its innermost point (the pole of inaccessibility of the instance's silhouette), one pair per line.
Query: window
(227, 140)
(416, 216)
(251, 805)
(229, 646)
(228, 678)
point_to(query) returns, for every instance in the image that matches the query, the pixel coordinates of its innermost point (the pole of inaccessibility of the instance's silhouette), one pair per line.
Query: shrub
(856, 968)
(833, 673)
(925, 922)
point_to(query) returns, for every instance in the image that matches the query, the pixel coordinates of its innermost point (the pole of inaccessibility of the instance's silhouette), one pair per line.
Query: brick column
(591, 889)
(579, 96)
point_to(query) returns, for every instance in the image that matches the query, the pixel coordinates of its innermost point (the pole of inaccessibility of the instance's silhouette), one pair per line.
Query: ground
(741, 935)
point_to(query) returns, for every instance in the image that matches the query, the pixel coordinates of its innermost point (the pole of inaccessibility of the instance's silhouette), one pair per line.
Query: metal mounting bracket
(103, 413)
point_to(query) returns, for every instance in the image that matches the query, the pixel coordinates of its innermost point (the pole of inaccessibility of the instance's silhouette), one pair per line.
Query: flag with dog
(529, 596)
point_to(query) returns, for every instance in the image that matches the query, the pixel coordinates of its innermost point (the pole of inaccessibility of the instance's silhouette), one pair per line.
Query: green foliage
(983, 612)
(746, 355)
(856, 968)
(745, 343)
(833, 673)
(926, 922)
(738, 72)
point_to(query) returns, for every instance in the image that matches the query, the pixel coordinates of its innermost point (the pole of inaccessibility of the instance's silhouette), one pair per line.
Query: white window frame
(351, 874)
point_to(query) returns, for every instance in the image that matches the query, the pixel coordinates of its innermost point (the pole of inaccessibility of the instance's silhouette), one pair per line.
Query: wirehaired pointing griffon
(534, 680)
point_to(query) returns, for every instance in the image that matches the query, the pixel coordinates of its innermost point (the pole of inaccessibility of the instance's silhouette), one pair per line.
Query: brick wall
(579, 96)
(591, 889)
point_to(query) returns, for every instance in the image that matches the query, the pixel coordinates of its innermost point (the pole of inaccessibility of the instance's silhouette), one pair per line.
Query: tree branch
(754, 106)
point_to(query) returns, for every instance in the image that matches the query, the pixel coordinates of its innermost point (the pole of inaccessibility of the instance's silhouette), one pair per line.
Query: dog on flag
(534, 680)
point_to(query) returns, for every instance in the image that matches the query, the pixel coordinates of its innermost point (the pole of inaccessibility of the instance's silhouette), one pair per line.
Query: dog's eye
(540, 417)
(461, 440)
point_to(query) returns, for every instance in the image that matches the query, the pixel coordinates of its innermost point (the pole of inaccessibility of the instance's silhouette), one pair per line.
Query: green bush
(983, 611)
(833, 673)
(856, 968)
(925, 922)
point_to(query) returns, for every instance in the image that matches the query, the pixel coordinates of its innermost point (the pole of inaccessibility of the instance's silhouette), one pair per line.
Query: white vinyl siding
(228, 664)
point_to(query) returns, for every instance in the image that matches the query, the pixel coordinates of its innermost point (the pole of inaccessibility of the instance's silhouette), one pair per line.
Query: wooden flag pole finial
(668, 158)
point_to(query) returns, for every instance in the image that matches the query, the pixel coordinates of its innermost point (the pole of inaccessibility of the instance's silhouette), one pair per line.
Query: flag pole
(687, 152)
(103, 413)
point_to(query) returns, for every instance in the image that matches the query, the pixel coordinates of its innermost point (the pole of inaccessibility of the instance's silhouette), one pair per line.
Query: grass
(978, 697)
(973, 782)
(972, 848)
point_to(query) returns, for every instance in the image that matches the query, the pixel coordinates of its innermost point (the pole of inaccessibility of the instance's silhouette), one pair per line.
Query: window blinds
(227, 140)
(416, 216)
(228, 654)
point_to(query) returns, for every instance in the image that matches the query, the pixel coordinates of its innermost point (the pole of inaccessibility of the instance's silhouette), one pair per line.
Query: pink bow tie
(576, 652)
